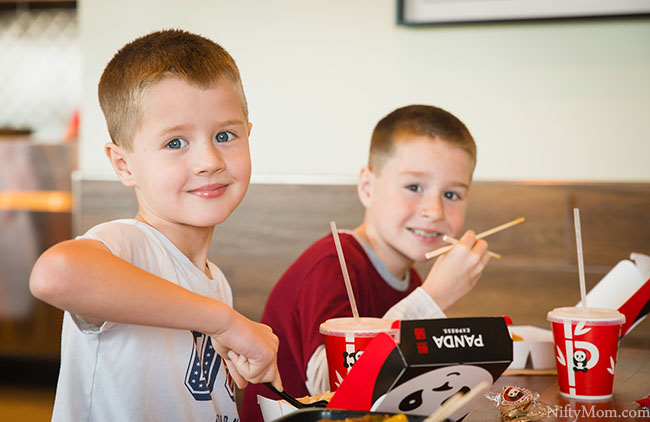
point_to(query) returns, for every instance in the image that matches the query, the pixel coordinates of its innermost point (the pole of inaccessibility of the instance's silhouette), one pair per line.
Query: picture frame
(442, 12)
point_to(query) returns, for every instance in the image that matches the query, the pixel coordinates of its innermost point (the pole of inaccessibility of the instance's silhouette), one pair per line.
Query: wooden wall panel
(32, 329)
(538, 272)
(279, 221)
(615, 221)
(540, 240)
(99, 201)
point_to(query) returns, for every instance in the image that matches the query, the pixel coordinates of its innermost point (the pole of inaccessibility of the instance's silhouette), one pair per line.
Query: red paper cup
(345, 340)
(586, 345)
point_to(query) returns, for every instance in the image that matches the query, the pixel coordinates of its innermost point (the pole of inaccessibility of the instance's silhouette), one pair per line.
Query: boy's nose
(431, 207)
(208, 160)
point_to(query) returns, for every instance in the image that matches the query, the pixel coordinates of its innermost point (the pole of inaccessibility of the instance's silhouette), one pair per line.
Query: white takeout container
(626, 287)
(535, 351)
(273, 409)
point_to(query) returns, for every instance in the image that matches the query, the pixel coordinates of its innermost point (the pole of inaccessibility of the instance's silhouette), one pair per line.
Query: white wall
(545, 101)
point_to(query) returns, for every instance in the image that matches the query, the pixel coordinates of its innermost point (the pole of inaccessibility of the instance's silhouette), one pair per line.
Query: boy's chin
(208, 218)
(420, 258)
(207, 222)
(419, 255)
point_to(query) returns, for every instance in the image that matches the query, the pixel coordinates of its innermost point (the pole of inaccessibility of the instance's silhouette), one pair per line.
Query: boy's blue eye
(452, 195)
(224, 137)
(414, 188)
(177, 143)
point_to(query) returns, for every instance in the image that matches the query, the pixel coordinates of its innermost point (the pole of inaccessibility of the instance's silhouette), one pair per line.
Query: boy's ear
(250, 126)
(364, 186)
(116, 155)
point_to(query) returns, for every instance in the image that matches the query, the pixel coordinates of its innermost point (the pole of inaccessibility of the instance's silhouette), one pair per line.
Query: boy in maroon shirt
(414, 190)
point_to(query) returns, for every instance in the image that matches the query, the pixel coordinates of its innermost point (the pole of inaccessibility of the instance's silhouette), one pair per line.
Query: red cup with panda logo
(586, 347)
(345, 340)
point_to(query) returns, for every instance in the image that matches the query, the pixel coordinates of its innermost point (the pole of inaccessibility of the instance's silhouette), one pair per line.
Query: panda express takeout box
(432, 360)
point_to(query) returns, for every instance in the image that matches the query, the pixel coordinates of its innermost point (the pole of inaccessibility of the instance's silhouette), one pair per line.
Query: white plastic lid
(596, 316)
(364, 326)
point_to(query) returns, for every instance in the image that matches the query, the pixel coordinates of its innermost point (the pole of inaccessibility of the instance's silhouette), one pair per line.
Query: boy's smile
(190, 162)
(425, 235)
(419, 195)
(209, 191)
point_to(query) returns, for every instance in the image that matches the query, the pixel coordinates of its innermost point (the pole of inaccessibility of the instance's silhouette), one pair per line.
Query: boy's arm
(417, 305)
(83, 277)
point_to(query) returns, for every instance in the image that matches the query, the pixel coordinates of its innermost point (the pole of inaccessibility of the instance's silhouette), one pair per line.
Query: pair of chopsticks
(479, 236)
(453, 241)
(456, 402)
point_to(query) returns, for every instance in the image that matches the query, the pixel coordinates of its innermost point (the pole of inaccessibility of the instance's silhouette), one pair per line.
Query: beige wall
(545, 101)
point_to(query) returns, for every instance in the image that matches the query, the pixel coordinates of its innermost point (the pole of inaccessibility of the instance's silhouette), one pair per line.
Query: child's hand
(250, 350)
(238, 365)
(455, 273)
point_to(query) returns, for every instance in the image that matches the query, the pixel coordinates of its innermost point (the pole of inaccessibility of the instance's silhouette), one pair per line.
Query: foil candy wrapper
(517, 404)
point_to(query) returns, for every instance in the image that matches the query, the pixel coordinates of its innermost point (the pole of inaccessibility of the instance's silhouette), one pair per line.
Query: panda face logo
(425, 393)
(514, 395)
(580, 361)
(350, 359)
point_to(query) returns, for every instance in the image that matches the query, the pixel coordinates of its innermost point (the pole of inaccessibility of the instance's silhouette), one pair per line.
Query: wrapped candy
(518, 404)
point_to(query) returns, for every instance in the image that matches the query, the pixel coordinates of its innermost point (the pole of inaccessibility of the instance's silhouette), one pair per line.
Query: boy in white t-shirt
(149, 327)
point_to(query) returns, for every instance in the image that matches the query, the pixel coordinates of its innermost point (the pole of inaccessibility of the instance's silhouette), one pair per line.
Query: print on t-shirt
(203, 367)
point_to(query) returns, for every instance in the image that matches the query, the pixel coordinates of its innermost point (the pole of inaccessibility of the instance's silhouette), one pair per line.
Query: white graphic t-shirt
(123, 372)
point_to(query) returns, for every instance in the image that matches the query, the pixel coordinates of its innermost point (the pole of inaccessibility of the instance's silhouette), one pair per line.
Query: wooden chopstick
(501, 227)
(456, 402)
(453, 241)
(486, 233)
(441, 413)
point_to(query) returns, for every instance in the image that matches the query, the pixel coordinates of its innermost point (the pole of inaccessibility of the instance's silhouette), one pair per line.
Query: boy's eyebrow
(173, 129)
(232, 122)
(419, 173)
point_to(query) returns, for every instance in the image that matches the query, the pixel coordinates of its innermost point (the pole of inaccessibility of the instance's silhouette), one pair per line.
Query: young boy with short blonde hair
(149, 327)
(414, 191)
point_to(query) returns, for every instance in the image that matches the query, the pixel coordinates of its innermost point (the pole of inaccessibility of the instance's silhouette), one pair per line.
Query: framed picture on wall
(438, 12)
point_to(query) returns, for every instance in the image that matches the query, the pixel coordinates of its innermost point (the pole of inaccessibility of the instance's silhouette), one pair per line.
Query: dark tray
(314, 415)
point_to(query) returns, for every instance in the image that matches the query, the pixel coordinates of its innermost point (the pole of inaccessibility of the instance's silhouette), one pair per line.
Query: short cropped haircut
(151, 58)
(417, 120)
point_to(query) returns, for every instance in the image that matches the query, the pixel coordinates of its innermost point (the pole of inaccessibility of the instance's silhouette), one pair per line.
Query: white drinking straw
(581, 264)
(344, 269)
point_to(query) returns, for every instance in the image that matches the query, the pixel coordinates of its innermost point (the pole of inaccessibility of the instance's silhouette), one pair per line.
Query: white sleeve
(417, 305)
(86, 327)
(318, 379)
